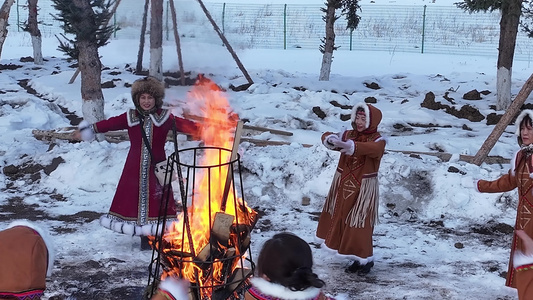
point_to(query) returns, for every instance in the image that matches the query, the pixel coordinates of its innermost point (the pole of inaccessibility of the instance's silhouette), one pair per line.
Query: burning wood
(212, 238)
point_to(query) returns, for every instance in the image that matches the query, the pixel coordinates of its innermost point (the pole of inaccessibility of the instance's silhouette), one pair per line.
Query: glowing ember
(208, 256)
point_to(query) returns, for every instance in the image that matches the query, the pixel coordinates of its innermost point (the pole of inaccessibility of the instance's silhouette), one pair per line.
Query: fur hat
(149, 85)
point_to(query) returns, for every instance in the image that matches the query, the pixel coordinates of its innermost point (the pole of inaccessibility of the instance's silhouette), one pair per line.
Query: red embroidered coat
(521, 177)
(350, 211)
(137, 200)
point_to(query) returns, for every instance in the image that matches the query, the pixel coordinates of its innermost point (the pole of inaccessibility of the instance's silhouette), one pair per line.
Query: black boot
(356, 266)
(365, 269)
(145, 245)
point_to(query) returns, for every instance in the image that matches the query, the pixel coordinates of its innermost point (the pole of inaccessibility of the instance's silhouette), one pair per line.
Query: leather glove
(328, 141)
(347, 147)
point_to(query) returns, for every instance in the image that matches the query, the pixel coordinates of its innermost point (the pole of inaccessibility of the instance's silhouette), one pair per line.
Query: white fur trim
(367, 113)
(46, 238)
(86, 131)
(521, 259)
(352, 148)
(131, 116)
(163, 118)
(362, 261)
(328, 141)
(279, 291)
(178, 288)
(521, 117)
(382, 138)
(132, 229)
(476, 181)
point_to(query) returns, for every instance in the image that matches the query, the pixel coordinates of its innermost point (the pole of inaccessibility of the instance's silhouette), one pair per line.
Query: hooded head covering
(149, 85)
(373, 117)
(519, 119)
(26, 258)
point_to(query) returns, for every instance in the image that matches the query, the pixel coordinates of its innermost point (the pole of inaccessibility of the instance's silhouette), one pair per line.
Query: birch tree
(349, 10)
(510, 19)
(35, 33)
(156, 40)
(4, 16)
(86, 19)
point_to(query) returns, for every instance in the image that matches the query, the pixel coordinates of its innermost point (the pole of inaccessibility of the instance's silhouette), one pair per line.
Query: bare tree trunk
(139, 67)
(35, 33)
(226, 43)
(178, 44)
(4, 16)
(156, 40)
(504, 121)
(329, 45)
(90, 69)
(511, 10)
(91, 90)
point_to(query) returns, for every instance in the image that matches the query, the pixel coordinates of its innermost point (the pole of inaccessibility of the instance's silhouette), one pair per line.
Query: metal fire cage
(239, 266)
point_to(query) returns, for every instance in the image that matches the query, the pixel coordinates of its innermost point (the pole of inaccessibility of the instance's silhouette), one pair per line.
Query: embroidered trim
(27, 295)
(158, 118)
(525, 268)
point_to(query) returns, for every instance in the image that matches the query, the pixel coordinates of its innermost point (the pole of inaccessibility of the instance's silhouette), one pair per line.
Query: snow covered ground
(438, 238)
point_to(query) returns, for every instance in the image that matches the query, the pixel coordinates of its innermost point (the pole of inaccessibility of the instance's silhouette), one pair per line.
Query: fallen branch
(447, 156)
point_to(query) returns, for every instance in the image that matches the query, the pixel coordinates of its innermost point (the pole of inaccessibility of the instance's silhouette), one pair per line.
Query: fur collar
(158, 118)
(278, 291)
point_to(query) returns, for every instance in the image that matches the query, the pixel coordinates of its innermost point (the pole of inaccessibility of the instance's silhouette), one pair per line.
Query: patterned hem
(28, 295)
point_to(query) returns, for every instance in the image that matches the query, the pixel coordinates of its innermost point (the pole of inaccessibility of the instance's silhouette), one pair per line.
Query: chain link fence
(421, 29)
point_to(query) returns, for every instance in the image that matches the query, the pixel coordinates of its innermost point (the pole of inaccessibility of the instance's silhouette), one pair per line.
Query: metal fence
(422, 29)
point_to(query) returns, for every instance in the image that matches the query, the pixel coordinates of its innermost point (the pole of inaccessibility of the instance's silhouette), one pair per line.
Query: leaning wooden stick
(233, 156)
(504, 121)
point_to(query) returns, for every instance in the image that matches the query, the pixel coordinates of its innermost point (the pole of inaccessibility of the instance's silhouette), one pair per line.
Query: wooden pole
(504, 121)
(226, 43)
(178, 43)
(139, 66)
(233, 156)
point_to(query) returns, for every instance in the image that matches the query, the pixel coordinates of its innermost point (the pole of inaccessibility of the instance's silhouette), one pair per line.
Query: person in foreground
(26, 259)
(523, 264)
(519, 176)
(285, 271)
(136, 205)
(351, 208)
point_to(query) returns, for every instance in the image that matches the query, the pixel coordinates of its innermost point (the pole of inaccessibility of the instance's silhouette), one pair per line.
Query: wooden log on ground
(447, 156)
(504, 121)
(263, 143)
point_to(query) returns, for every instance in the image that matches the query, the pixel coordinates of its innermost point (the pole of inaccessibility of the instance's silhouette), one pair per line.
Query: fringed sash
(367, 202)
(329, 206)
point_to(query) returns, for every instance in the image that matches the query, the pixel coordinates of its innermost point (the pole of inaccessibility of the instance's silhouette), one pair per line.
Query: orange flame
(217, 130)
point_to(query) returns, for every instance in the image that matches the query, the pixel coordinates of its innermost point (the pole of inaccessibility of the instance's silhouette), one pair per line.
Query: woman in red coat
(519, 176)
(351, 208)
(136, 205)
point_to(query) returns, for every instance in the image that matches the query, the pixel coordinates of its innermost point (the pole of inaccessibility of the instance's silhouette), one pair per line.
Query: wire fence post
(223, 15)
(285, 27)
(423, 28)
(166, 22)
(18, 17)
(351, 38)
